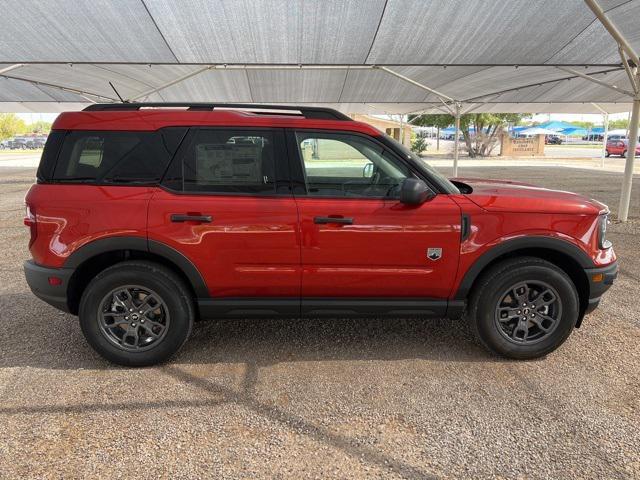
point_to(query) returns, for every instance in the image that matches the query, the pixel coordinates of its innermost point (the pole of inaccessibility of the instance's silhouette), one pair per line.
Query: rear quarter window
(115, 157)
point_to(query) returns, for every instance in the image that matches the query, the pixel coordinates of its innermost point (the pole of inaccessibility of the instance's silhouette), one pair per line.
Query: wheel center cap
(134, 316)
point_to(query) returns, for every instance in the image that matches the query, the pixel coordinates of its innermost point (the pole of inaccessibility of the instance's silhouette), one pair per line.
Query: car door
(226, 205)
(363, 250)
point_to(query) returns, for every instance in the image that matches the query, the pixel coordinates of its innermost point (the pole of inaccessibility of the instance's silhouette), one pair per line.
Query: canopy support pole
(11, 67)
(82, 93)
(634, 78)
(169, 84)
(445, 99)
(595, 80)
(625, 196)
(605, 121)
(456, 140)
(613, 30)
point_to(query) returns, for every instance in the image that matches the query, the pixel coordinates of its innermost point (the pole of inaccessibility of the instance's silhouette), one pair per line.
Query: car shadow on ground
(53, 340)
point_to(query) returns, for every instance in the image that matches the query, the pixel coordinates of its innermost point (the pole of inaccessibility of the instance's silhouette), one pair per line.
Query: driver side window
(344, 165)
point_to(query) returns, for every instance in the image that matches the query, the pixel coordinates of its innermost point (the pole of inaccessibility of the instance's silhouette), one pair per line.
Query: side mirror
(414, 192)
(367, 171)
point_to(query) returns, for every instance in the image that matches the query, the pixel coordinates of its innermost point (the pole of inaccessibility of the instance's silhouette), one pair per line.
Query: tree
(419, 144)
(39, 127)
(436, 121)
(11, 125)
(619, 124)
(487, 128)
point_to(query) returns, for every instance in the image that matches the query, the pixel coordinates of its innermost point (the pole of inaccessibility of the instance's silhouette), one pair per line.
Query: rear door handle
(178, 218)
(339, 220)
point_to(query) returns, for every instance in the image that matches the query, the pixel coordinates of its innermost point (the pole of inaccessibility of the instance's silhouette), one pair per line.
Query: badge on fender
(434, 253)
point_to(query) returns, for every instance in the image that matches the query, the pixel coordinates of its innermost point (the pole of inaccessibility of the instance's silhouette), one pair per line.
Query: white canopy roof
(491, 55)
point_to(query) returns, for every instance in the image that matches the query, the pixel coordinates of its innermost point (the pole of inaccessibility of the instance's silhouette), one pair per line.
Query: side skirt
(211, 308)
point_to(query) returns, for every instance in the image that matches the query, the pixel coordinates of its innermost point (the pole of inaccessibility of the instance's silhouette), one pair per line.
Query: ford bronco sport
(147, 217)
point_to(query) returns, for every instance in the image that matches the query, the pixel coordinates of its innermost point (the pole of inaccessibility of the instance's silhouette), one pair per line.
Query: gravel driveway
(322, 399)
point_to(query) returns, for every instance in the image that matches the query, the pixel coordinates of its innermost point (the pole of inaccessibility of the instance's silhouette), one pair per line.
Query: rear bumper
(600, 280)
(38, 281)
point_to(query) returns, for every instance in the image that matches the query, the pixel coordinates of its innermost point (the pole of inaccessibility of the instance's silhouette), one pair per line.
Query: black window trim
(282, 185)
(96, 183)
(299, 185)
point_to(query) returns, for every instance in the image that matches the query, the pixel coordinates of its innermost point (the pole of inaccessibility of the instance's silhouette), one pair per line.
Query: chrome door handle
(178, 218)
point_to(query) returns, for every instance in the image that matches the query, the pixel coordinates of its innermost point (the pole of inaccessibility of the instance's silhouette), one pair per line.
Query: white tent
(369, 56)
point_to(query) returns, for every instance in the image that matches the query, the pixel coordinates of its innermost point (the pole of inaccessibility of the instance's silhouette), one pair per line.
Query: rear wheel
(606, 153)
(624, 154)
(524, 308)
(136, 313)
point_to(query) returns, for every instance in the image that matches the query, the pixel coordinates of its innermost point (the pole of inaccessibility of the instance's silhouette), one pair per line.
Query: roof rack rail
(307, 112)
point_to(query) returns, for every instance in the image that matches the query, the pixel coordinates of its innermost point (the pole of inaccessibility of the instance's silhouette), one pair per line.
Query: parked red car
(146, 218)
(619, 147)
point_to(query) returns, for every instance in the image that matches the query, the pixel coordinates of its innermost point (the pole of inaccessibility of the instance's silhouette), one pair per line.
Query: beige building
(390, 127)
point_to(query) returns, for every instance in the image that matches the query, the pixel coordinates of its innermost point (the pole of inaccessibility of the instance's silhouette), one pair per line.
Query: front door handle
(178, 218)
(338, 220)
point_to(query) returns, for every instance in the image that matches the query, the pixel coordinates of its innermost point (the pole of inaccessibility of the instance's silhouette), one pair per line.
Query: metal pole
(613, 30)
(605, 118)
(625, 196)
(456, 140)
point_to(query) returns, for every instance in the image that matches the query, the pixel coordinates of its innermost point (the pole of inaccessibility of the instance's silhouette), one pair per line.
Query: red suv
(148, 217)
(619, 147)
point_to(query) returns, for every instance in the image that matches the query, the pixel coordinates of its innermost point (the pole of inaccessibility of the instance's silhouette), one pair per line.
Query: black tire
(485, 308)
(607, 154)
(624, 154)
(176, 311)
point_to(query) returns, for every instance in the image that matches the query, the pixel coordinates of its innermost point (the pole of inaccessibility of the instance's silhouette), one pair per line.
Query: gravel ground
(322, 399)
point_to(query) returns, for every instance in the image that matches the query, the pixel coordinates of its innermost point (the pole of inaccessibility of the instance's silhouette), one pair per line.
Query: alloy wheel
(134, 318)
(528, 312)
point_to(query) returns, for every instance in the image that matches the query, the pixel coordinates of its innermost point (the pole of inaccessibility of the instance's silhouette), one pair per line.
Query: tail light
(31, 222)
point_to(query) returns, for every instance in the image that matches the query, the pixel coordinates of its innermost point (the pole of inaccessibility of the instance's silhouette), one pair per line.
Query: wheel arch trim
(520, 244)
(114, 244)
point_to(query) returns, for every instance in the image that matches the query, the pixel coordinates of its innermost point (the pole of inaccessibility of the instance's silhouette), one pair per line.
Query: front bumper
(600, 280)
(38, 281)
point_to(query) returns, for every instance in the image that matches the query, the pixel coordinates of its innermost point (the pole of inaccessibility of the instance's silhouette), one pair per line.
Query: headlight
(603, 243)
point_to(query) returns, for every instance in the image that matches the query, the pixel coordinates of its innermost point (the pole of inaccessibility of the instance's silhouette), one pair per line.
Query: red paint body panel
(70, 216)
(271, 247)
(250, 249)
(149, 120)
(384, 252)
(501, 196)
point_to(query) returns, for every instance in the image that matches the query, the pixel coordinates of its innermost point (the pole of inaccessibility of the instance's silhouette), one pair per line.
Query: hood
(509, 196)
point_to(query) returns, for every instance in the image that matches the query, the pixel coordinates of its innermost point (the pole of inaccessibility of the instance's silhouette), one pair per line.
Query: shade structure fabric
(537, 131)
(491, 55)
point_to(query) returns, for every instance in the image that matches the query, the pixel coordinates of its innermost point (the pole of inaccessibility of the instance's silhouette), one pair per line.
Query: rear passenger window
(113, 157)
(227, 161)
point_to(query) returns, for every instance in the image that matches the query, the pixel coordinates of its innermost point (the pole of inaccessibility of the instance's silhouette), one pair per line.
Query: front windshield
(424, 166)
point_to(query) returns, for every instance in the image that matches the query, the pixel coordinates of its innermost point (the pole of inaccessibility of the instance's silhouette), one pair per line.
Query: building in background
(400, 132)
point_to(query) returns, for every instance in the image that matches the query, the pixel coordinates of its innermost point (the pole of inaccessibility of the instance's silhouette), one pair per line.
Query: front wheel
(136, 313)
(607, 154)
(524, 308)
(624, 154)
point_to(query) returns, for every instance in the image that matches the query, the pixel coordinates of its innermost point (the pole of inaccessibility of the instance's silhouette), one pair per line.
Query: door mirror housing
(415, 192)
